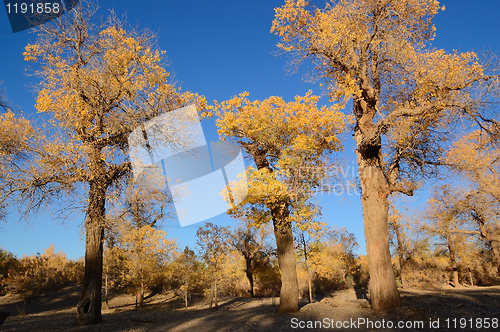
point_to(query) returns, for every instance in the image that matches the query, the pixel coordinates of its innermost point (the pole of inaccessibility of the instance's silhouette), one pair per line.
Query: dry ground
(56, 312)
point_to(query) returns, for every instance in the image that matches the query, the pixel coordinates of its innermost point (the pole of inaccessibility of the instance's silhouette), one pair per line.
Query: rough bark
(249, 273)
(89, 306)
(383, 289)
(216, 299)
(289, 293)
(453, 260)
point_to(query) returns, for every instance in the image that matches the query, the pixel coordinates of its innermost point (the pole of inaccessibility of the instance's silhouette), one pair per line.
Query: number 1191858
(33, 8)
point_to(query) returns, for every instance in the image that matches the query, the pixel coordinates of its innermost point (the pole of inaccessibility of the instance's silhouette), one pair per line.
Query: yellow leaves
(31, 53)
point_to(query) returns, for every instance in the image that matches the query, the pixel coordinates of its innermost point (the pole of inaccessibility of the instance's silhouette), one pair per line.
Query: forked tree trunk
(289, 294)
(383, 289)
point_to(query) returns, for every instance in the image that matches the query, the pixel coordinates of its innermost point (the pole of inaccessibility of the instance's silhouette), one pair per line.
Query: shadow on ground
(245, 314)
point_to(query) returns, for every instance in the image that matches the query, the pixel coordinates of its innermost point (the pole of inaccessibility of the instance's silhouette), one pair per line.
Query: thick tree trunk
(289, 294)
(249, 273)
(453, 260)
(89, 306)
(383, 289)
(139, 296)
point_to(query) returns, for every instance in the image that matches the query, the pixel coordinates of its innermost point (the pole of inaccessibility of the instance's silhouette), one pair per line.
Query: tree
(407, 239)
(447, 222)
(98, 84)
(188, 272)
(404, 96)
(249, 242)
(306, 237)
(290, 144)
(213, 242)
(147, 253)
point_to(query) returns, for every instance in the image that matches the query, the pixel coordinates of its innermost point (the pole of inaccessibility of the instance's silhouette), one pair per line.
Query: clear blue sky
(219, 49)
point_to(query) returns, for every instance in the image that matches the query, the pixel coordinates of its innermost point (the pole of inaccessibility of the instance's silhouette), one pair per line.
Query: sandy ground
(454, 308)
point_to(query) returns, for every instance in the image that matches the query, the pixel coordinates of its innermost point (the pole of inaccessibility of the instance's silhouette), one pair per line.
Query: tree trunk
(249, 273)
(403, 279)
(453, 260)
(310, 286)
(89, 306)
(139, 296)
(470, 279)
(106, 289)
(216, 300)
(383, 289)
(289, 294)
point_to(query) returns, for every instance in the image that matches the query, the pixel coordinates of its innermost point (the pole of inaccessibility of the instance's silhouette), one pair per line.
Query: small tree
(188, 272)
(148, 253)
(248, 240)
(213, 243)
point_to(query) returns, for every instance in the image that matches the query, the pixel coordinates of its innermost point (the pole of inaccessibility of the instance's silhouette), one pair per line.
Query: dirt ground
(420, 311)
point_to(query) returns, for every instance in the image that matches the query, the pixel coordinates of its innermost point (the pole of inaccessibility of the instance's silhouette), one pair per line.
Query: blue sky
(219, 49)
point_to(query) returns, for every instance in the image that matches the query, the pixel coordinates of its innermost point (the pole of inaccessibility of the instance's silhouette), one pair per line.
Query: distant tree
(334, 257)
(306, 237)
(248, 240)
(8, 262)
(446, 222)
(213, 243)
(408, 240)
(188, 272)
(98, 84)
(148, 253)
(406, 98)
